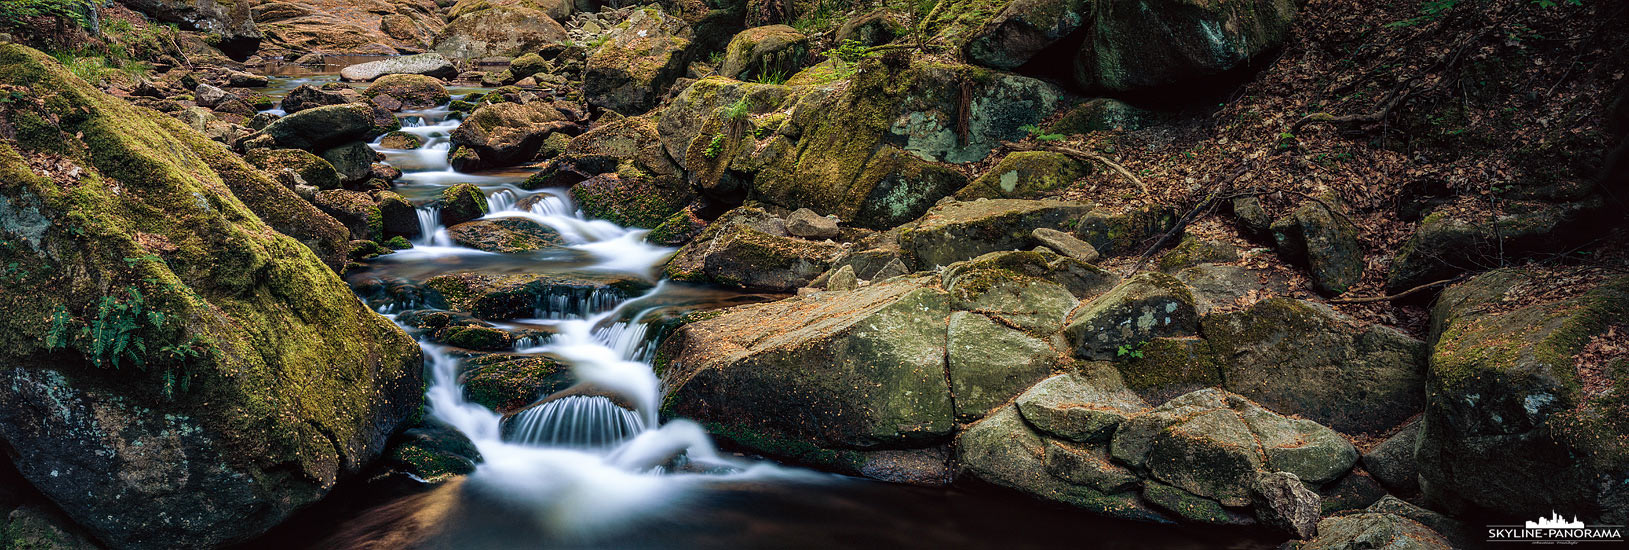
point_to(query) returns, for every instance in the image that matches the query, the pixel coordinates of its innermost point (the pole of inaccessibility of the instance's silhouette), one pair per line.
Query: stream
(582, 471)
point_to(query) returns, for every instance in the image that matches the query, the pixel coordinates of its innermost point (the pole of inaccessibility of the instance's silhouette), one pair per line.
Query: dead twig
(1080, 154)
(1209, 202)
(1403, 294)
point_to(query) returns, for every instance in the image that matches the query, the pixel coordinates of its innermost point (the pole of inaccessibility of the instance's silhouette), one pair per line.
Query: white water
(579, 462)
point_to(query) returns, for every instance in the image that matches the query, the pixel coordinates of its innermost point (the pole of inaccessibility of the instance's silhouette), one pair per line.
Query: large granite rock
(961, 230)
(506, 31)
(427, 64)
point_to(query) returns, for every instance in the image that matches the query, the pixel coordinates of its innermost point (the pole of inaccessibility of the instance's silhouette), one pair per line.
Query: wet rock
(677, 230)
(398, 217)
(1282, 502)
(1169, 41)
(745, 373)
(294, 167)
(318, 129)
(1372, 530)
(761, 52)
(809, 225)
(508, 383)
(960, 230)
(427, 64)
(1003, 450)
(1079, 407)
(518, 296)
(505, 235)
(307, 96)
(461, 203)
(1147, 306)
(1321, 237)
(216, 446)
(1392, 461)
(639, 200)
(1025, 174)
(401, 140)
(355, 209)
(432, 453)
(1303, 358)
(1065, 244)
(1510, 424)
(635, 65)
(1022, 29)
(506, 134)
(989, 363)
(411, 91)
(504, 31)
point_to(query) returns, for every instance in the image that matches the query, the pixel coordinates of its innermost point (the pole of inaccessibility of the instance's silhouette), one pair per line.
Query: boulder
(398, 217)
(1024, 290)
(1137, 45)
(431, 454)
(209, 96)
(1303, 358)
(1283, 503)
(306, 96)
(293, 167)
(1213, 445)
(1013, 36)
(732, 251)
(631, 71)
(250, 379)
(387, 28)
(506, 134)
(427, 64)
(1192, 251)
(1391, 462)
(1448, 242)
(36, 527)
(807, 224)
(771, 52)
(1003, 450)
(821, 378)
(1103, 114)
(411, 91)
(988, 363)
(356, 210)
(1144, 307)
(520, 295)
(505, 235)
(960, 230)
(353, 161)
(1320, 236)
(232, 21)
(505, 31)
(1516, 419)
(1065, 244)
(1126, 231)
(639, 200)
(1025, 175)
(1373, 530)
(318, 128)
(1079, 407)
(508, 383)
(461, 203)
(401, 140)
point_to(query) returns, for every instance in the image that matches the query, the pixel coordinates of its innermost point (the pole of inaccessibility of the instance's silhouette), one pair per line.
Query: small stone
(1065, 244)
(809, 225)
(843, 279)
(209, 96)
(1284, 503)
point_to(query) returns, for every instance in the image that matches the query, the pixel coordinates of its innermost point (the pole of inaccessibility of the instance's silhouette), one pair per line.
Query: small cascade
(502, 200)
(431, 232)
(565, 302)
(575, 421)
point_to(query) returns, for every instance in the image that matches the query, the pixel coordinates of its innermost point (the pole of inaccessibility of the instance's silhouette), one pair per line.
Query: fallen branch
(1397, 98)
(1087, 155)
(1403, 294)
(1204, 205)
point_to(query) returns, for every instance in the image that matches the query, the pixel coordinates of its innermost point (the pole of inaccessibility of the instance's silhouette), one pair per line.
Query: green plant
(1132, 351)
(15, 13)
(714, 147)
(738, 111)
(766, 75)
(125, 330)
(1036, 132)
(1430, 10)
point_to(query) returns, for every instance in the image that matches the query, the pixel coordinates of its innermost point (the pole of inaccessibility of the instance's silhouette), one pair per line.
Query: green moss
(507, 382)
(477, 338)
(1169, 363)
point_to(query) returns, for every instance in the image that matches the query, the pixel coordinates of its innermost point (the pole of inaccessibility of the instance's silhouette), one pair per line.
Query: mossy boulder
(1303, 358)
(765, 52)
(355, 209)
(503, 31)
(633, 68)
(293, 167)
(508, 383)
(318, 128)
(409, 91)
(37, 527)
(250, 379)
(988, 363)
(1192, 251)
(812, 376)
(461, 203)
(401, 140)
(1515, 420)
(1319, 235)
(1447, 242)
(1024, 175)
(740, 255)
(1079, 407)
(506, 134)
(1127, 230)
(505, 235)
(1022, 29)
(1144, 307)
(961, 230)
(1135, 45)
(397, 216)
(432, 453)
(517, 296)
(1373, 530)
(353, 161)
(1022, 290)
(1003, 450)
(1103, 114)
(306, 96)
(637, 200)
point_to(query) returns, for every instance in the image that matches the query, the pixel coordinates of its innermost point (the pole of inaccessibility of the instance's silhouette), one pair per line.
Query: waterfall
(431, 232)
(575, 421)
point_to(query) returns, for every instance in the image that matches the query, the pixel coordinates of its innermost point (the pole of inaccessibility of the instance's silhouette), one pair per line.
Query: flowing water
(596, 467)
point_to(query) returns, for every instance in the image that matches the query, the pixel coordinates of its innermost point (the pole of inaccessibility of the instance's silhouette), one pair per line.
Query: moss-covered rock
(502, 31)
(461, 203)
(515, 296)
(1103, 114)
(505, 235)
(527, 65)
(1016, 290)
(1125, 231)
(321, 128)
(1447, 243)
(249, 379)
(506, 134)
(635, 65)
(1513, 421)
(740, 255)
(1143, 45)
(1373, 530)
(35, 527)
(988, 363)
(1144, 307)
(432, 454)
(409, 91)
(1003, 450)
(356, 210)
(306, 96)
(353, 161)
(295, 167)
(1193, 251)
(771, 52)
(508, 383)
(1022, 29)
(1319, 235)
(639, 200)
(1024, 175)
(1079, 407)
(961, 230)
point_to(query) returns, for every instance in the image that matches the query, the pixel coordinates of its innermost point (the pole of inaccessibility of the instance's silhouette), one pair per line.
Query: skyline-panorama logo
(1555, 530)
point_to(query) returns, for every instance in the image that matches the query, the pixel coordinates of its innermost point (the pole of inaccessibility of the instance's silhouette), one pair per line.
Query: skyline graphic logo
(1556, 529)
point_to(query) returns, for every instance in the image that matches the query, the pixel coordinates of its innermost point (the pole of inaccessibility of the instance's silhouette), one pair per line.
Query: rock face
(427, 64)
(960, 230)
(761, 52)
(821, 377)
(1513, 422)
(1145, 307)
(1137, 44)
(629, 72)
(259, 379)
(372, 27)
(505, 31)
(1024, 175)
(233, 21)
(1023, 28)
